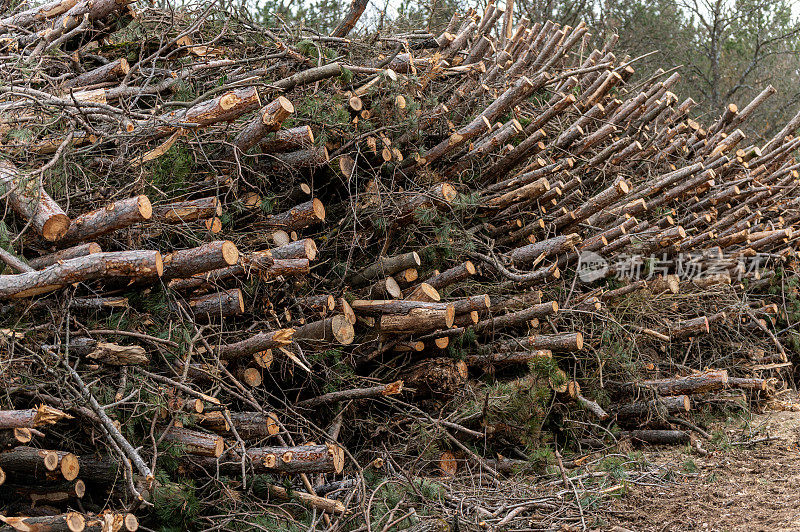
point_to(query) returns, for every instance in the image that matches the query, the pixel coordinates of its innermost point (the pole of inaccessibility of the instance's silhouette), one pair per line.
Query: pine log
(112, 217)
(31, 418)
(353, 394)
(424, 292)
(251, 426)
(299, 217)
(193, 261)
(557, 343)
(310, 501)
(655, 408)
(81, 250)
(28, 198)
(29, 461)
(187, 211)
(305, 248)
(385, 266)
(334, 330)
(526, 255)
(69, 522)
(14, 437)
(418, 320)
(106, 353)
(134, 265)
(218, 305)
(225, 108)
(107, 72)
(296, 138)
(658, 437)
(516, 319)
(702, 382)
(751, 384)
(453, 275)
(350, 18)
(195, 442)
(255, 344)
(507, 358)
(267, 120)
(298, 459)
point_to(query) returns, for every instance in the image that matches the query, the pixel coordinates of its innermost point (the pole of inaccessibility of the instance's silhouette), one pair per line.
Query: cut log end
(131, 523)
(342, 329)
(75, 522)
(319, 210)
(55, 227)
(145, 207)
(70, 466)
(230, 254)
(337, 454)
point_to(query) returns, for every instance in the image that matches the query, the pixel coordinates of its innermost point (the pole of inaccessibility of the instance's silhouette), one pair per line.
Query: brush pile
(259, 275)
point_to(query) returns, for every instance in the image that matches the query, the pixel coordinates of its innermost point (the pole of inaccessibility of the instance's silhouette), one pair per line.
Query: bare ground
(750, 488)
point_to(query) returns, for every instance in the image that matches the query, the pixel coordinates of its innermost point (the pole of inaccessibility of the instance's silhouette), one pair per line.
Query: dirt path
(736, 488)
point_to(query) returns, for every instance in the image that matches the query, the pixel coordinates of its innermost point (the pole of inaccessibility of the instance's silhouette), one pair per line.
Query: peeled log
(133, 265)
(702, 382)
(81, 250)
(436, 377)
(112, 217)
(28, 198)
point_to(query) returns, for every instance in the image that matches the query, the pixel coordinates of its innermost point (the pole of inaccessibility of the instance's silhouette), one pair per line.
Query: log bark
(133, 265)
(69, 522)
(453, 275)
(267, 120)
(27, 197)
(219, 305)
(195, 442)
(296, 138)
(655, 408)
(187, 211)
(702, 382)
(658, 437)
(350, 19)
(81, 250)
(31, 418)
(299, 217)
(108, 72)
(353, 394)
(334, 330)
(112, 217)
(250, 426)
(210, 256)
(385, 266)
(507, 358)
(255, 344)
(516, 319)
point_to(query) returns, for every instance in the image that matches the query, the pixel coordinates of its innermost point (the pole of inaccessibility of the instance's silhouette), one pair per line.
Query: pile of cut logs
(221, 248)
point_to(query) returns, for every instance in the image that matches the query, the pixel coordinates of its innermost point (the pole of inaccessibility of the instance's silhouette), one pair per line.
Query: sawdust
(735, 488)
